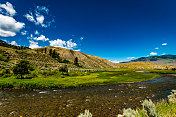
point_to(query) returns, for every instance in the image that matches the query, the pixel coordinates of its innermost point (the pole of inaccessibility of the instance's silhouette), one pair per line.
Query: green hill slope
(42, 58)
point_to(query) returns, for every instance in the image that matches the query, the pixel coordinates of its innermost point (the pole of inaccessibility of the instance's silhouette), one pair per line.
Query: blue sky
(117, 30)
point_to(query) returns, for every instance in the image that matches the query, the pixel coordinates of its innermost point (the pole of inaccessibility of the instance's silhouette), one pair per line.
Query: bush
(85, 114)
(130, 113)
(150, 108)
(64, 69)
(172, 97)
(22, 68)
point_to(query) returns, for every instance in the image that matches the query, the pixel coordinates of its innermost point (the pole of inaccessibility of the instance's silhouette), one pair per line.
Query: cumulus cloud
(7, 9)
(30, 17)
(130, 57)
(153, 53)
(163, 54)
(9, 26)
(156, 48)
(70, 44)
(14, 43)
(24, 32)
(33, 44)
(41, 38)
(39, 16)
(164, 44)
(58, 43)
(64, 44)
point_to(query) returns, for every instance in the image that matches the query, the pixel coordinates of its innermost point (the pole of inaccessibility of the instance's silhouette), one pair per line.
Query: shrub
(22, 68)
(130, 113)
(64, 69)
(150, 108)
(85, 114)
(172, 97)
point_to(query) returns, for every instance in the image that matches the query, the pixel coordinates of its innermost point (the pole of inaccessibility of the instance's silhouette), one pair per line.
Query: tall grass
(165, 108)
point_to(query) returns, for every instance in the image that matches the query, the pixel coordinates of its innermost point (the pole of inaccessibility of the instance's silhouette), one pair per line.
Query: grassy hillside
(143, 65)
(160, 60)
(42, 58)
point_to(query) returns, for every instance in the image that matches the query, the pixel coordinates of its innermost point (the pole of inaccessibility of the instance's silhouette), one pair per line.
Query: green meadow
(76, 79)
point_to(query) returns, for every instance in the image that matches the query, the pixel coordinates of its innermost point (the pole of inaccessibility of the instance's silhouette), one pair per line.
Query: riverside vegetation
(164, 108)
(23, 75)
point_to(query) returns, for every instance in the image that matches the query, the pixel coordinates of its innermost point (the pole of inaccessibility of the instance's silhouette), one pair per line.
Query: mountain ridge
(160, 60)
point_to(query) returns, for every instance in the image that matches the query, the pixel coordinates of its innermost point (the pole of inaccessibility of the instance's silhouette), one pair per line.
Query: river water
(101, 101)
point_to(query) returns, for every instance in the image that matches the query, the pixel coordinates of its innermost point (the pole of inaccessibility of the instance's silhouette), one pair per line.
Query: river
(101, 101)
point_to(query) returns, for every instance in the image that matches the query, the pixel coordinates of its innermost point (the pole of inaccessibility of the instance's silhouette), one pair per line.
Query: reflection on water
(102, 101)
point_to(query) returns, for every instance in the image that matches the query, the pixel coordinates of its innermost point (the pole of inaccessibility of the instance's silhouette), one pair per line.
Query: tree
(50, 52)
(45, 50)
(76, 61)
(54, 55)
(22, 68)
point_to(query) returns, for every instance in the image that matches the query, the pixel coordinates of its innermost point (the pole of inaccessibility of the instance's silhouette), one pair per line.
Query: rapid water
(101, 101)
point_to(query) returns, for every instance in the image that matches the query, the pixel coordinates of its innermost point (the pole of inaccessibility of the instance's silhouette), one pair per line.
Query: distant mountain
(52, 58)
(160, 60)
(143, 65)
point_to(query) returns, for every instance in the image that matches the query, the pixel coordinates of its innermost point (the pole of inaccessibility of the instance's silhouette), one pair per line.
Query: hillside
(41, 58)
(160, 60)
(143, 65)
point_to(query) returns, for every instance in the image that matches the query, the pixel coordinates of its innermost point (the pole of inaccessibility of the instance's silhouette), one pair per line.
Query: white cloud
(42, 38)
(8, 7)
(30, 37)
(42, 8)
(30, 17)
(39, 16)
(58, 43)
(81, 38)
(70, 44)
(78, 50)
(24, 32)
(116, 61)
(33, 44)
(64, 44)
(36, 32)
(14, 43)
(9, 26)
(156, 48)
(164, 44)
(163, 54)
(153, 53)
(130, 57)
(40, 19)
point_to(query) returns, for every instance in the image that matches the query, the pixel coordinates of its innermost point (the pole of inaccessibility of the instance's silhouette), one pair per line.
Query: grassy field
(83, 79)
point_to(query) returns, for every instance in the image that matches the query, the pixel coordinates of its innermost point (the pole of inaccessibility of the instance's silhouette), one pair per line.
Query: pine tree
(76, 61)
(54, 54)
(50, 52)
(45, 50)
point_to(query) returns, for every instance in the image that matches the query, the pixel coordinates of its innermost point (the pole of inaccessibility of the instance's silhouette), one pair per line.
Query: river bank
(92, 79)
(102, 100)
